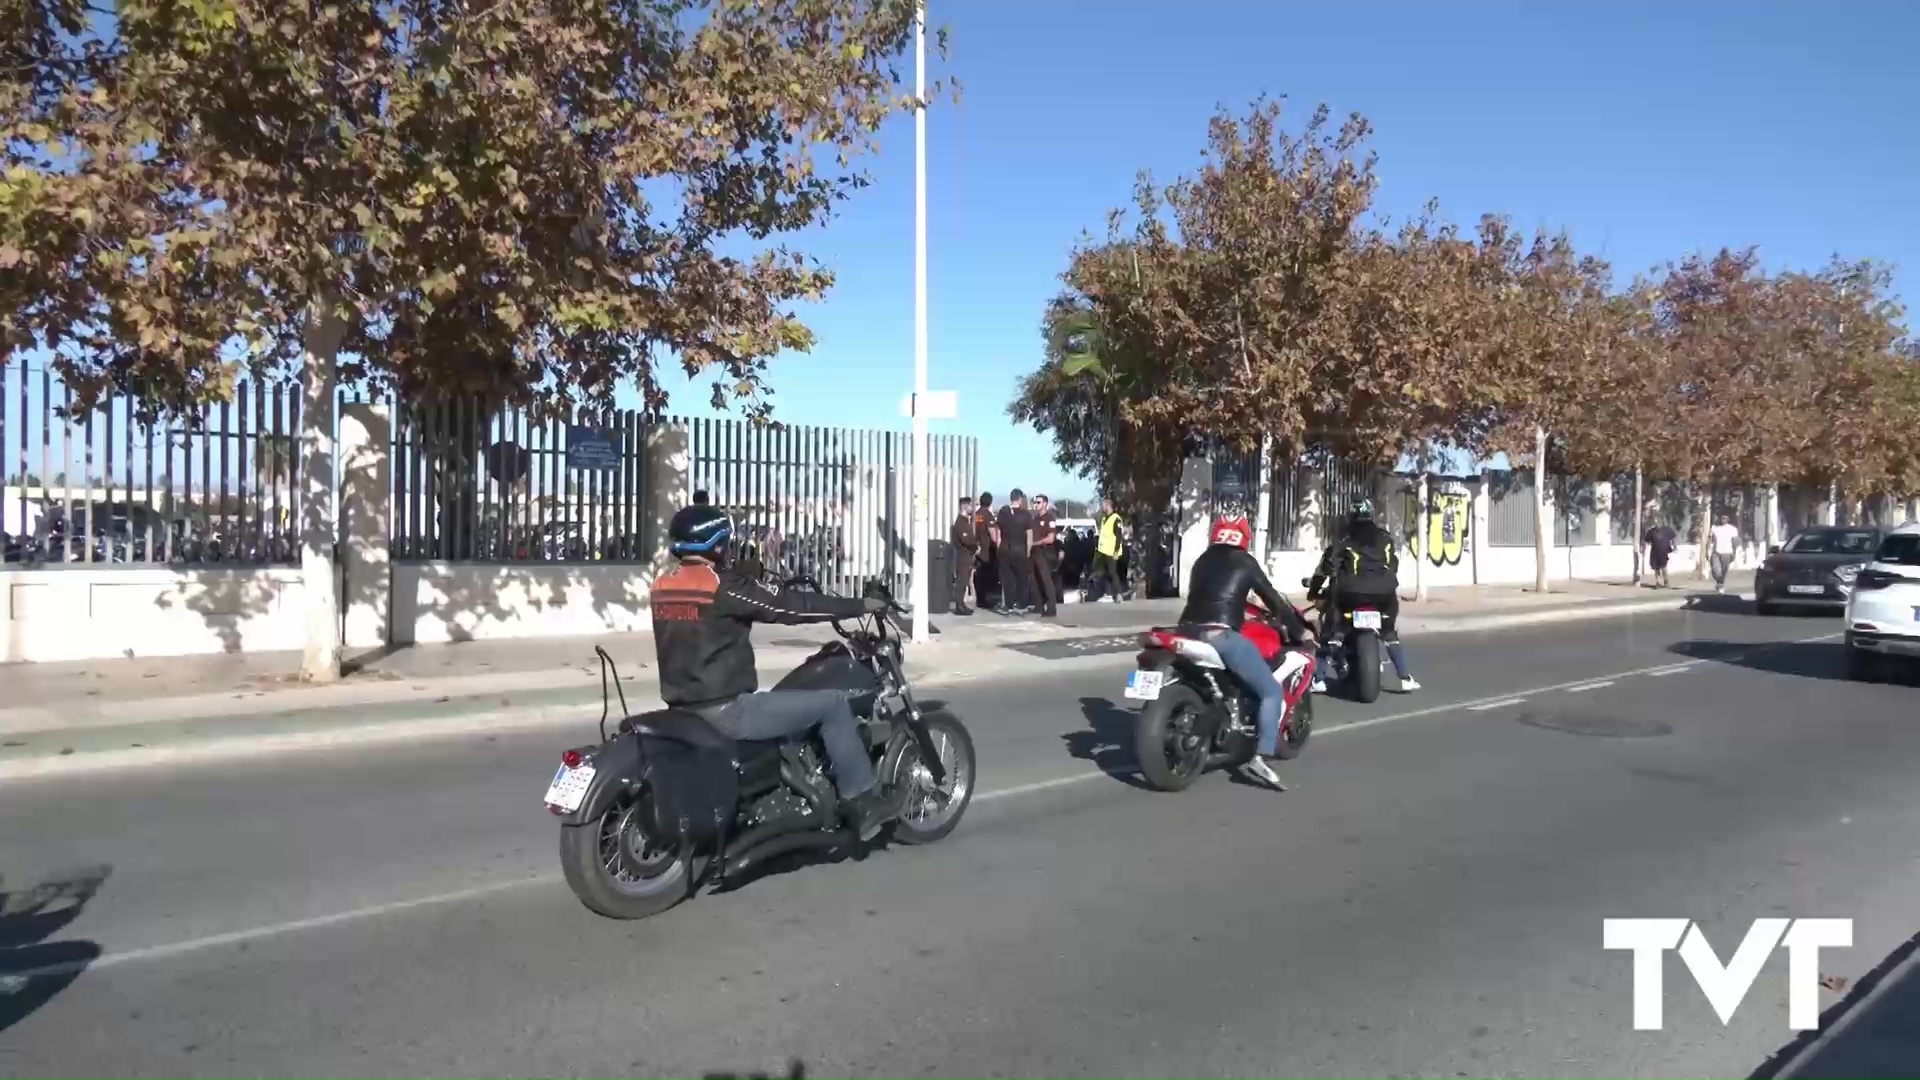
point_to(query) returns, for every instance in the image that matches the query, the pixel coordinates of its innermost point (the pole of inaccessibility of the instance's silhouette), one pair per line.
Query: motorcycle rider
(1361, 569)
(1216, 608)
(703, 615)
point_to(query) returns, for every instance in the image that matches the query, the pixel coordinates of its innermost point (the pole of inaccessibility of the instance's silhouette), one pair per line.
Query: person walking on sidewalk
(1015, 527)
(966, 543)
(1046, 557)
(1659, 541)
(1106, 552)
(1726, 541)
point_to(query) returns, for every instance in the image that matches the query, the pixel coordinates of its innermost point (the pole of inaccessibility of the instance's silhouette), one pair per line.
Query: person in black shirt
(1016, 575)
(1046, 557)
(966, 544)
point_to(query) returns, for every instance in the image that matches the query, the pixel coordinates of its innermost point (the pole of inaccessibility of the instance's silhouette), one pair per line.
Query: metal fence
(1511, 515)
(1576, 509)
(1287, 494)
(833, 504)
(472, 483)
(103, 486)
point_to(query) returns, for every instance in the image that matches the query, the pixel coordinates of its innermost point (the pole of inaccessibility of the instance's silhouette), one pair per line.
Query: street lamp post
(919, 592)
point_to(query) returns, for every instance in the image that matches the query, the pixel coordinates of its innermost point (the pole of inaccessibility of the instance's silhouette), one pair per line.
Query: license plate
(569, 787)
(1144, 685)
(1366, 620)
(1807, 590)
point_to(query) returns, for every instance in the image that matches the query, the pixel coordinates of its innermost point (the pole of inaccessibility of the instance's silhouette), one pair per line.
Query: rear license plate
(1366, 620)
(1144, 685)
(1807, 590)
(569, 787)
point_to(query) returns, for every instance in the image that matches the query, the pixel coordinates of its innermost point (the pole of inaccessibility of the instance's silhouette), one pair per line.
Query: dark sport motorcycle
(668, 801)
(1196, 716)
(1355, 652)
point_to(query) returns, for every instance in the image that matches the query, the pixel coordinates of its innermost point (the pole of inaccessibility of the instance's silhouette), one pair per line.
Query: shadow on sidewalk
(32, 969)
(1878, 1038)
(1107, 740)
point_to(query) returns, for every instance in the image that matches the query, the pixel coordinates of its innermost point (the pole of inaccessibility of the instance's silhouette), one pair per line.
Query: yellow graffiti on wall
(1447, 524)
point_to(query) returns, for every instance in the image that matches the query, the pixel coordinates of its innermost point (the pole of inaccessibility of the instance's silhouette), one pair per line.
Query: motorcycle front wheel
(934, 810)
(618, 870)
(1171, 755)
(1299, 728)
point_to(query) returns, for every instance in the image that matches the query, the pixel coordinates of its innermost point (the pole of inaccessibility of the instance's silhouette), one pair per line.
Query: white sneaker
(1263, 772)
(1409, 685)
(1319, 686)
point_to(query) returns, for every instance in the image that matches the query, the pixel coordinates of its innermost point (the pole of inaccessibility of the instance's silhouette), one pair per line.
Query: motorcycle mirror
(1306, 583)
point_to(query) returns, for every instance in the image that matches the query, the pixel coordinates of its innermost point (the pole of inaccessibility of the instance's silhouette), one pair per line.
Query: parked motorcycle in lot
(1355, 652)
(1196, 716)
(668, 800)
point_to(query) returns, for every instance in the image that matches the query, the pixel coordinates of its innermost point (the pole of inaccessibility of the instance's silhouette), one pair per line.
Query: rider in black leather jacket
(703, 616)
(1223, 578)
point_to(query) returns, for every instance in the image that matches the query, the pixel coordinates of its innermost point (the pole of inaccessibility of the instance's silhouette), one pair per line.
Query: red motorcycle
(1196, 716)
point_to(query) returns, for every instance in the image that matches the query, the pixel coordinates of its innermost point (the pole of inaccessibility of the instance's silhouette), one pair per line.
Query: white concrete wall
(437, 602)
(65, 613)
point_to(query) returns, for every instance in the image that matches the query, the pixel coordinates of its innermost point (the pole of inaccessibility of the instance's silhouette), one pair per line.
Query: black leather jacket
(1223, 577)
(1361, 563)
(703, 620)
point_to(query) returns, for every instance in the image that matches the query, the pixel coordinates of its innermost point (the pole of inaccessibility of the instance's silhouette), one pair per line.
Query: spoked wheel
(933, 810)
(1172, 753)
(618, 869)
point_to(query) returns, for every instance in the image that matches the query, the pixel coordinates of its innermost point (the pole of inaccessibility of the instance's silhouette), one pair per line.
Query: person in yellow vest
(1106, 552)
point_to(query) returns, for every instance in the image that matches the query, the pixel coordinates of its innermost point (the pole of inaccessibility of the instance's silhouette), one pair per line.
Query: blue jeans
(779, 713)
(1242, 657)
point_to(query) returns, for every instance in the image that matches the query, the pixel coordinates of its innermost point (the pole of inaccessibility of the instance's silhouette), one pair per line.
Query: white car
(1883, 614)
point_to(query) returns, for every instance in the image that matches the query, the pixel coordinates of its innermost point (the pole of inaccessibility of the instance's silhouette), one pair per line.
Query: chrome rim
(634, 862)
(929, 805)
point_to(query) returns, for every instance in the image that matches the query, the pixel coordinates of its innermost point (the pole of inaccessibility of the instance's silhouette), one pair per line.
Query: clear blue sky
(1647, 130)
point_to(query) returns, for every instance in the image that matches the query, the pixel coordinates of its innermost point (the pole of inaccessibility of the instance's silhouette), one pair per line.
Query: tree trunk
(1639, 519)
(1422, 527)
(1702, 529)
(1542, 527)
(320, 372)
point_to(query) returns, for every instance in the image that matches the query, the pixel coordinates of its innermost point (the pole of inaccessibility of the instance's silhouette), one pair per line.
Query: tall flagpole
(921, 474)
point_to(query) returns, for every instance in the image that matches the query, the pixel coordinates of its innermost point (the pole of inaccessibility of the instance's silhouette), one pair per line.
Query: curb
(1790, 1064)
(640, 699)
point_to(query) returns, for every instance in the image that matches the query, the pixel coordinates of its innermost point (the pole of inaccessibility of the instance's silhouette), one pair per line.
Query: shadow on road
(32, 969)
(1872, 1033)
(796, 1070)
(1107, 740)
(1808, 660)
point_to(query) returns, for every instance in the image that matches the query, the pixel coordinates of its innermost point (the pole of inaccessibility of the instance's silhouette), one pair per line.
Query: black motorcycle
(669, 801)
(1355, 652)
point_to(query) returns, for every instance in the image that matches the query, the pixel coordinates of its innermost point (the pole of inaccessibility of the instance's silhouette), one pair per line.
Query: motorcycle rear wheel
(618, 870)
(1168, 767)
(1366, 668)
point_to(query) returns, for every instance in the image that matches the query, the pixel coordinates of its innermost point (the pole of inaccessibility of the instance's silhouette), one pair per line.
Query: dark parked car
(1815, 568)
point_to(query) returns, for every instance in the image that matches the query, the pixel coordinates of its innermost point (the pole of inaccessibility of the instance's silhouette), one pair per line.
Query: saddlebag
(694, 786)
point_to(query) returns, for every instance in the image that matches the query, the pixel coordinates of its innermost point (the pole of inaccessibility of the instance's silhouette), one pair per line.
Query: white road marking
(260, 933)
(1678, 668)
(1591, 686)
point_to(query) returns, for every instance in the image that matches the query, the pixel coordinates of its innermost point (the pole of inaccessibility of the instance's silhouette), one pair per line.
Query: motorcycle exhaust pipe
(781, 845)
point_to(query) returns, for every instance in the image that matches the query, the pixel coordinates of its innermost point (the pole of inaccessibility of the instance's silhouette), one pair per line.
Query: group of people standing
(1023, 544)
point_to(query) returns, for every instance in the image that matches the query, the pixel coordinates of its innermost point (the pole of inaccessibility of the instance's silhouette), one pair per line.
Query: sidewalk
(87, 708)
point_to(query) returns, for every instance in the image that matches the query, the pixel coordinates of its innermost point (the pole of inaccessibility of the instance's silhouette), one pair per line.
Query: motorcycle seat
(685, 726)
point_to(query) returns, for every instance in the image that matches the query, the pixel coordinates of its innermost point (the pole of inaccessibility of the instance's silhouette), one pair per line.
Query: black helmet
(701, 529)
(1363, 510)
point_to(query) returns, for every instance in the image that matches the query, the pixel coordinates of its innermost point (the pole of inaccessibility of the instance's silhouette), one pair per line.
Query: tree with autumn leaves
(527, 202)
(1253, 303)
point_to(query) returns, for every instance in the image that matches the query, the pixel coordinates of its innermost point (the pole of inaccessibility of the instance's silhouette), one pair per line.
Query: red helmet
(1231, 529)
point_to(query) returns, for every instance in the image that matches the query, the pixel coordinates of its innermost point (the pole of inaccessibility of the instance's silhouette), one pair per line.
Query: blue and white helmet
(700, 530)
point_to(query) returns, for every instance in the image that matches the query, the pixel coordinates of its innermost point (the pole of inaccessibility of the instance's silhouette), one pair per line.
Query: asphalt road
(1426, 901)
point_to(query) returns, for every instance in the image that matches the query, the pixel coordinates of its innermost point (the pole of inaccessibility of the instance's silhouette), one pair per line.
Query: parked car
(1883, 615)
(1815, 568)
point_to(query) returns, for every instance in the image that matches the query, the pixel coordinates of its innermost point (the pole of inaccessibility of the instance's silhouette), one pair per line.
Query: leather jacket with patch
(703, 619)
